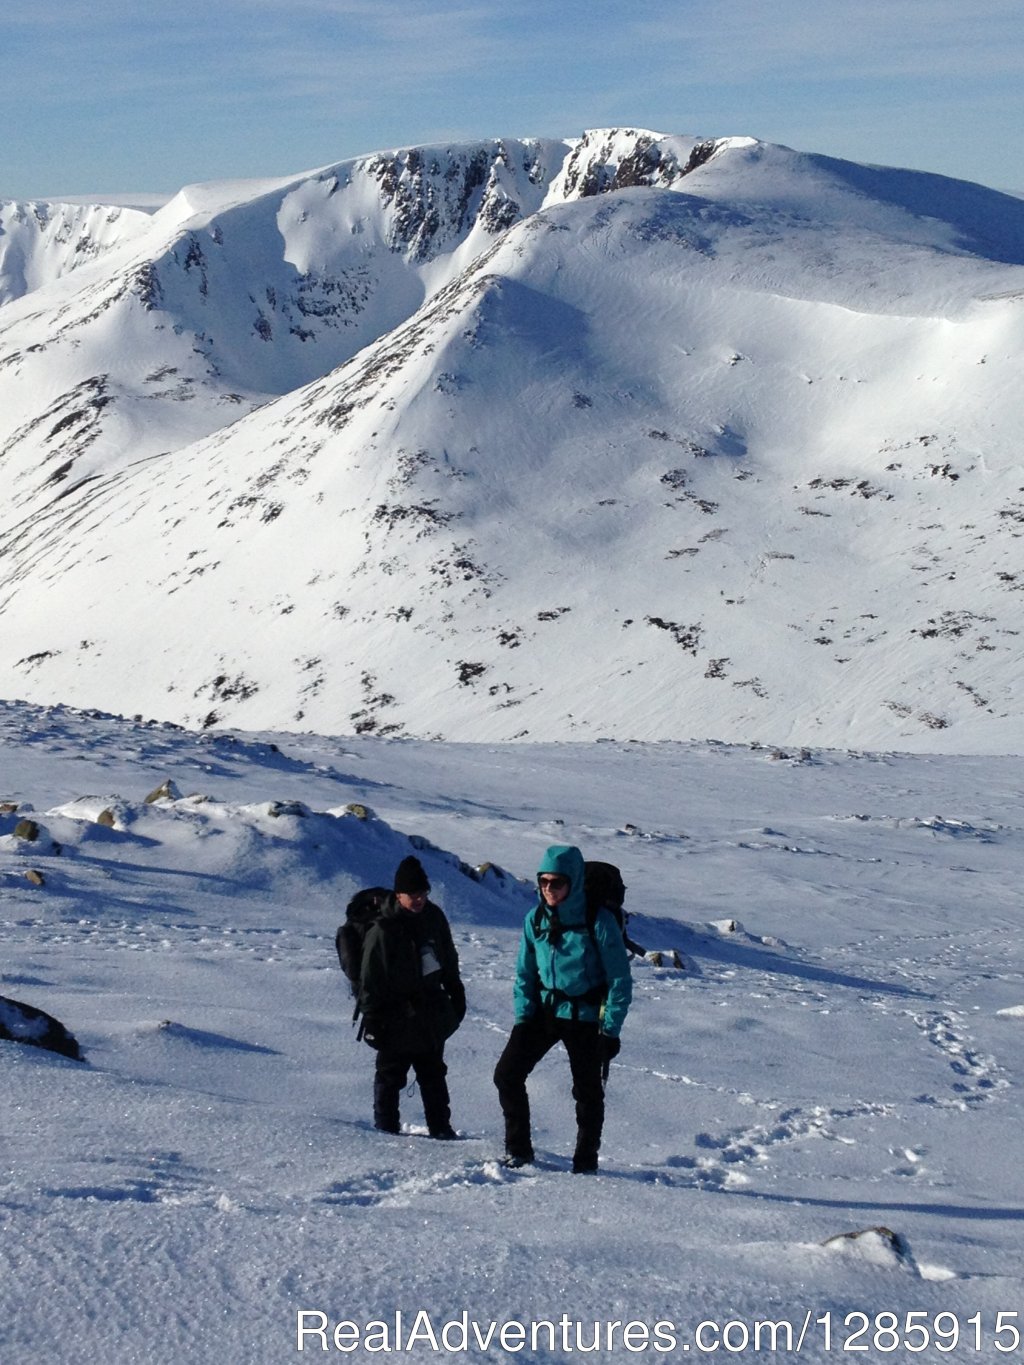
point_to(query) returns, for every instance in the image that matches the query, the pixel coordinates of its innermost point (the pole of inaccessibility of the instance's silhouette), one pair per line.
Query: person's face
(553, 888)
(411, 900)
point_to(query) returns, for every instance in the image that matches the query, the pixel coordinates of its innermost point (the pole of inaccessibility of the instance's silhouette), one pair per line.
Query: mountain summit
(626, 435)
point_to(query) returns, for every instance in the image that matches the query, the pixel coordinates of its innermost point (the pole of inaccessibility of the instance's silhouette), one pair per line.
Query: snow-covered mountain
(628, 435)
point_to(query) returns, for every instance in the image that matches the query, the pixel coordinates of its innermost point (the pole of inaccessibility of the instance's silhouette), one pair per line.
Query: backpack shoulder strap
(593, 910)
(540, 921)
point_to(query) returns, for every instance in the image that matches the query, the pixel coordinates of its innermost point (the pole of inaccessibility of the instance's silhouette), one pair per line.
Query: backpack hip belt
(552, 997)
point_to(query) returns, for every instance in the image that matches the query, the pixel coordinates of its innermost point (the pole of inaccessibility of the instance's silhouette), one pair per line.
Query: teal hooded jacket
(561, 967)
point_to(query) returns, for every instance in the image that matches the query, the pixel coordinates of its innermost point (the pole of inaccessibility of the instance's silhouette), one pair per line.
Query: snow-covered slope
(637, 437)
(41, 242)
(841, 1054)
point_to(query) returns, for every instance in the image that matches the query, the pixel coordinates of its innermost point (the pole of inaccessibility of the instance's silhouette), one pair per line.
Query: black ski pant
(527, 1044)
(389, 1080)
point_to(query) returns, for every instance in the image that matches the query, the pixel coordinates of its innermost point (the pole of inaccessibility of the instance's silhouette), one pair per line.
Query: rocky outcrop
(21, 1023)
(434, 199)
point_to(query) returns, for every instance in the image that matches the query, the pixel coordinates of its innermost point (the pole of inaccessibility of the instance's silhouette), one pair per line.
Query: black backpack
(604, 888)
(362, 910)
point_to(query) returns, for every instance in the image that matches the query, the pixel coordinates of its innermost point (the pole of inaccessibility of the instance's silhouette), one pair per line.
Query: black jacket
(410, 991)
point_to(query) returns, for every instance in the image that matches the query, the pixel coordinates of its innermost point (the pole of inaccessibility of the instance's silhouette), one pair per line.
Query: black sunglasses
(552, 883)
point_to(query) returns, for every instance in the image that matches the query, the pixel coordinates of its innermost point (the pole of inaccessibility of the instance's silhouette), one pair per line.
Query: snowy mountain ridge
(41, 242)
(626, 435)
(263, 285)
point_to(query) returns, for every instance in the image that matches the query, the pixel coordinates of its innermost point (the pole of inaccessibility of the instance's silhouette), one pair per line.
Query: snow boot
(514, 1161)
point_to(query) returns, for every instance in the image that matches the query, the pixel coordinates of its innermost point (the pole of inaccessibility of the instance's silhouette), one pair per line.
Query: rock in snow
(21, 1023)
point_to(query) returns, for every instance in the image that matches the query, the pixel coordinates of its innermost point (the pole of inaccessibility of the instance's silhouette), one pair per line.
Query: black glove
(610, 1047)
(457, 995)
(373, 1030)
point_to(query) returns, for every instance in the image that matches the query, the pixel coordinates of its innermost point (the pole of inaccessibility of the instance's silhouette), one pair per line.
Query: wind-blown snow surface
(842, 1050)
(633, 436)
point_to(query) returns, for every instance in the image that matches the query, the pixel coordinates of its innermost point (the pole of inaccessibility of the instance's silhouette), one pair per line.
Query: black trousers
(527, 1044)
(389, 1080)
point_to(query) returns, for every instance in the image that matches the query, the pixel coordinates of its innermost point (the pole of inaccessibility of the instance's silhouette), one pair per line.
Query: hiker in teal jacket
(572, 986)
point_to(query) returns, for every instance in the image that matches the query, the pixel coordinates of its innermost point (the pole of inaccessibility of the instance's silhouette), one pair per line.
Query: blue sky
(111, 96)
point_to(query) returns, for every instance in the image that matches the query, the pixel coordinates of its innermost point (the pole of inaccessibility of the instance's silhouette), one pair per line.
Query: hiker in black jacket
(412, 1000)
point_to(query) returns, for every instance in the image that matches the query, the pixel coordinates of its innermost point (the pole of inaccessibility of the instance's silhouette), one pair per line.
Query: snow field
(839, 1052)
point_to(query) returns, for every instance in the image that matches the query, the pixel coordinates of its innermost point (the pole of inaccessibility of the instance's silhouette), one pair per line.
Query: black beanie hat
(410, 877)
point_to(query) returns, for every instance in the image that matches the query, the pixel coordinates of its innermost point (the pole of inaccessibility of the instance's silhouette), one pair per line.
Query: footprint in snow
(394, 1189)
